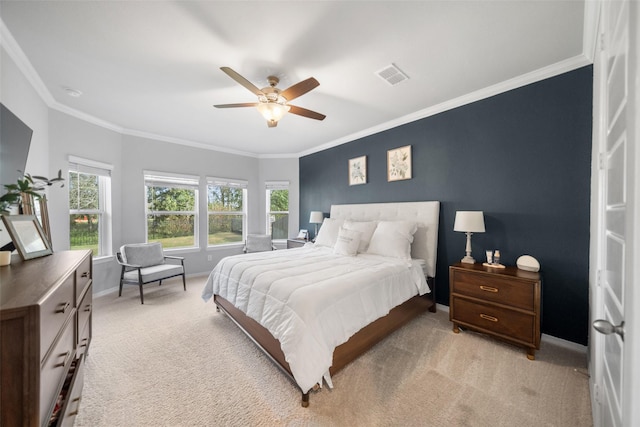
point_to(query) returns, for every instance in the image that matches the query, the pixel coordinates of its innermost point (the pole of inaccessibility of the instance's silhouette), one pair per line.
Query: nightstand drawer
(515, 325)
(505, 290)
(295, 243)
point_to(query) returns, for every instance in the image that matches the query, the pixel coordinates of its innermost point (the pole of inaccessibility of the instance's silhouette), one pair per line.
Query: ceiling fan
(273, 103)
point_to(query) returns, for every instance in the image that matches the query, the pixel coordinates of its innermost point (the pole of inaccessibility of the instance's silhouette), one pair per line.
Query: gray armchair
(258, 243)
(144, 263)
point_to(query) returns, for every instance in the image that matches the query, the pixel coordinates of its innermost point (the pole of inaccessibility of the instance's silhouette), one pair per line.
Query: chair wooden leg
(184, 282)
(141, 295)
(160, 284)
(120, 293)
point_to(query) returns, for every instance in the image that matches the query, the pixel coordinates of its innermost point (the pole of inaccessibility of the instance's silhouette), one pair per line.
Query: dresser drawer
(501, 321)
(54, 311)
(73, 397)
(505, 290)
(84, 309)
(83, 277)
(53, 370)
(83, 341)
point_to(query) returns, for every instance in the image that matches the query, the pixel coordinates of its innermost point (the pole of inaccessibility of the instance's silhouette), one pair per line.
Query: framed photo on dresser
(27, 235)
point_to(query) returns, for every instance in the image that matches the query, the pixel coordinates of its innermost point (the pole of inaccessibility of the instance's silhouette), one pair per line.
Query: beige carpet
(174, 361)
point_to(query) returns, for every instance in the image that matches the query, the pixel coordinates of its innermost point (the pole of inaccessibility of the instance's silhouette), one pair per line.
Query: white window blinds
(92, 167)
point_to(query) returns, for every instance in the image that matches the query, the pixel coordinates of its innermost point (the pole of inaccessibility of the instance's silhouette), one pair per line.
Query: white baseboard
(115, 289)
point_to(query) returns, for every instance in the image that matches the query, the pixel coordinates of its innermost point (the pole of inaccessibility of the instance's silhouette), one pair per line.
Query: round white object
(528, 263)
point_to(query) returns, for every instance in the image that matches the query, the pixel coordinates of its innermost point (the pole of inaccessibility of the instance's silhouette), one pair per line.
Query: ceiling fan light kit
(273, 102)
(272, 111)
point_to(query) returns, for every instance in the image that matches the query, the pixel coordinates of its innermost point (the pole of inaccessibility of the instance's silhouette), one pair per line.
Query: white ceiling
(152, 68)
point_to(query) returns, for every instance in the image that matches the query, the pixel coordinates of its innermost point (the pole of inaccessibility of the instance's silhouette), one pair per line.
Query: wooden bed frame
(423, 247)
(358, 344)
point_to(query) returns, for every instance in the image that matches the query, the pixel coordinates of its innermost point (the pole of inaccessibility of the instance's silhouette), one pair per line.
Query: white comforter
(312, 300)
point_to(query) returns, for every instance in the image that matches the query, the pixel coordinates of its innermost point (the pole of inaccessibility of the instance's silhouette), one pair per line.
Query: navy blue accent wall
(523, 157)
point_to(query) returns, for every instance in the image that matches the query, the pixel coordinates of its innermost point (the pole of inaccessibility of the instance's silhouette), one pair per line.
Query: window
(278, 209)
(90, 206)
(172, 209)
(226, 206)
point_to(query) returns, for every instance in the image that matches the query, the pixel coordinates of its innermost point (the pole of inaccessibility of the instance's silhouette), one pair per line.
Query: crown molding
(505, 86)
(186, 142)
(14, 51)
(592, 9)
(591, 28)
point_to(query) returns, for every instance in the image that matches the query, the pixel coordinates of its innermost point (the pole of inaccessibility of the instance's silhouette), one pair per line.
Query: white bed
(311, 302)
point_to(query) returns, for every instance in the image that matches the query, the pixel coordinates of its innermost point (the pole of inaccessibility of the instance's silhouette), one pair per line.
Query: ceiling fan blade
(244, 82)
(306, 113)
(243, 104)
(299, 88)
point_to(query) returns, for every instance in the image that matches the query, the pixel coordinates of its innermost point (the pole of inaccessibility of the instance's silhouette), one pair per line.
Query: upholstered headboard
(425, 214)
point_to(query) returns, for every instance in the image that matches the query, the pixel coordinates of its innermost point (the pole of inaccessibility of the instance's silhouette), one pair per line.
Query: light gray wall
(58, 135)
(140, 154)
(284, 169)
(17, 94)
(70, 136)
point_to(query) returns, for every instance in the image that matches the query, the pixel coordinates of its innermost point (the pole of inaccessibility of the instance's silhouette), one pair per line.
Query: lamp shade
(316, 217)
(469, 221)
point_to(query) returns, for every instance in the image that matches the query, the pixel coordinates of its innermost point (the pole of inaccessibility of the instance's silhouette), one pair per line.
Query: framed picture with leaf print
(399, 163)
(358, 170)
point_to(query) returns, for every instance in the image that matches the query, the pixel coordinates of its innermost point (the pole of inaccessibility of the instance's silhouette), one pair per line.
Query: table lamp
(469, 222)
(316, 218)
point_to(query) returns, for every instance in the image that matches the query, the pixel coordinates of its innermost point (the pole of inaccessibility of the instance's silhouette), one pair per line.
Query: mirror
(39, 209)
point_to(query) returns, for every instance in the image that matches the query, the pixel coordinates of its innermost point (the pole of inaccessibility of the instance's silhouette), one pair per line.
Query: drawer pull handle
(85, 274)
(74, 413)
(63, 308)
(488, 288)
(88, 307)
(66, 359)
(489, 318)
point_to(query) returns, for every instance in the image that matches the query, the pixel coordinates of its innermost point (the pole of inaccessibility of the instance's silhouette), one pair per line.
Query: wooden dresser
(502, 302)
(45, 334)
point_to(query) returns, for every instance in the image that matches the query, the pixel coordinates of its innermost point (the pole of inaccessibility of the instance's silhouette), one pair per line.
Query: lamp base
(468, 260)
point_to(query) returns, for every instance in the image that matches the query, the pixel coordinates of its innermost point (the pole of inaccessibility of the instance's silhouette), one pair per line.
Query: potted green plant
(31, 185)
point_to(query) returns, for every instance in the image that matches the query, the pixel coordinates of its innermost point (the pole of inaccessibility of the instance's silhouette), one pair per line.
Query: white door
(615, 339)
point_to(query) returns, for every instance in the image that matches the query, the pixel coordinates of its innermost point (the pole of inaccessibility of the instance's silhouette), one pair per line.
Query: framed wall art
(358, 170)
(399, 163)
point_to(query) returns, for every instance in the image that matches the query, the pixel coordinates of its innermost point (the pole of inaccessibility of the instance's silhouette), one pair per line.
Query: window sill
(103, 259)
(181, 250)
(225, 246)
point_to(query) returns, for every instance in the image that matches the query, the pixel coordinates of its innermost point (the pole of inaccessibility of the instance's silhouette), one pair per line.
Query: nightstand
(295, 243)
(501, 302)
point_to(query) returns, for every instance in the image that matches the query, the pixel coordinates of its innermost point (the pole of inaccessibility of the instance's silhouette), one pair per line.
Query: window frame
(105, 223)
(270, 186)
(232, 183)
(173, 180)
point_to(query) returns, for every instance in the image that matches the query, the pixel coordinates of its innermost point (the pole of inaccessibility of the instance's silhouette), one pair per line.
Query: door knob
(605, 327)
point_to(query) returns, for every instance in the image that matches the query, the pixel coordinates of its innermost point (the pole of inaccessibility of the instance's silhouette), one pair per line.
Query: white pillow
(393, 239)
(347, 242)
(328, 233)
(366, 228)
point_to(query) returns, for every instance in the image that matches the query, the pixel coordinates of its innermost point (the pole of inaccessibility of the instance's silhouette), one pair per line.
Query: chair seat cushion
(258, 243)
(153, 273)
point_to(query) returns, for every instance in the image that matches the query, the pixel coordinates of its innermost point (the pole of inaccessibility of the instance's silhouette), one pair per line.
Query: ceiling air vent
(392, 75)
